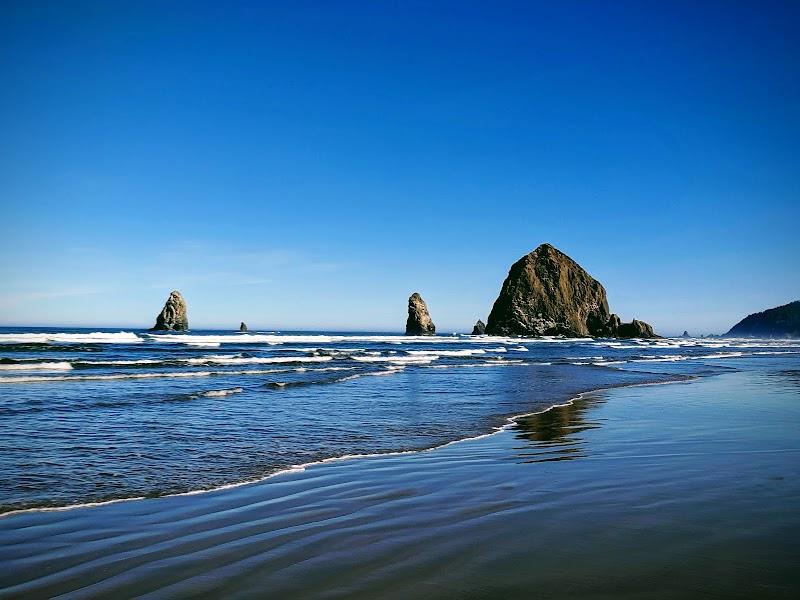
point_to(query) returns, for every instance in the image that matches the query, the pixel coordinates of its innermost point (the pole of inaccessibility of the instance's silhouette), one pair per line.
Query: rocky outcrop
(685, 334)
(419, 320)
(243, 327)
(173, 317)
(480, 328)
(781, 321)
(635, 329)
(548, 293)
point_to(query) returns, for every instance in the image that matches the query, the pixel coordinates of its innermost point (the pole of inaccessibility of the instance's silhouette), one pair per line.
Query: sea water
(92, 416)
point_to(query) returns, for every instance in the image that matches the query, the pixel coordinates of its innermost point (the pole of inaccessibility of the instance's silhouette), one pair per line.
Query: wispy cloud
(8, 300)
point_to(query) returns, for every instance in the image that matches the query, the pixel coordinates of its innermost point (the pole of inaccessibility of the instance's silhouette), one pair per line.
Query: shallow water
(680, 490)
(93, 416)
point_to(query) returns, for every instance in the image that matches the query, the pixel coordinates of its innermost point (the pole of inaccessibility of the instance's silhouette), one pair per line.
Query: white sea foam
(723, 355)
(142, 361)
(232, 360)
(389, 370)
(220, 393)
(214, 359)
(122, 337)
(114, 376)
(42, 366)
(398, 359)
(465, 352)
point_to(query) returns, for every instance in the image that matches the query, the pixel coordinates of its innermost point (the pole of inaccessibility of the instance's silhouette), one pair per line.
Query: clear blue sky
(309, 165)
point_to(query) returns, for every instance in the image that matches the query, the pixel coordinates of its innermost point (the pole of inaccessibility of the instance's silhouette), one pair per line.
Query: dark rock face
(781, 321)
(243, 326)
(685, 334)
(173, 316)
(548, 293)
(419, 320)
(480, 328)
(635, 329)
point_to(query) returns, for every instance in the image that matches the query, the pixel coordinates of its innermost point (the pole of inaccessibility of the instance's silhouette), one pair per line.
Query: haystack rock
(173, 316)
(243, 327)
(781, 321)
(479, 329)
(419, 320)
(548, 293)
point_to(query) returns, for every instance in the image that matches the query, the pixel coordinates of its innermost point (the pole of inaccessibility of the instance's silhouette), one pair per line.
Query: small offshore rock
(419, 320)
(480, 328)
(174, 316)
(685, 334)
(243, 326)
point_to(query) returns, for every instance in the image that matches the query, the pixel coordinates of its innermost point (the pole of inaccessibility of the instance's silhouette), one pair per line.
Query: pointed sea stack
(781, 321)
(243, 327)
(173, 317)
(419, 320)
(480, 328)
(548, 293)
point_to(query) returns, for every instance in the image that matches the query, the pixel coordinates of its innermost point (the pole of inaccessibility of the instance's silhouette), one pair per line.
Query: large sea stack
(548, 293)
(781, 321)
(173, 316)
(419, 320)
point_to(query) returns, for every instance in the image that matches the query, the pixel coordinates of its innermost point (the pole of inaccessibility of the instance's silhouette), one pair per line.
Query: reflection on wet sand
(555, 434)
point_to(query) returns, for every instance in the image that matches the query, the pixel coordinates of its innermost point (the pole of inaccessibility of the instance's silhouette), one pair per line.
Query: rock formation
(685, 334)
(419, 321)
(635, 329)
(243, 327)
(781, 321)
(480, 328)
(173, 317)
(548, 293)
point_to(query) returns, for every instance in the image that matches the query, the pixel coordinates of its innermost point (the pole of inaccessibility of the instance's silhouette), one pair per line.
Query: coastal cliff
(548, 293)
(419, 320)
(174, 316)
(781, 321)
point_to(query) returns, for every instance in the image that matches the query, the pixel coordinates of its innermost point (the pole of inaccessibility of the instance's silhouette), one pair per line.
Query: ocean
(90, 416)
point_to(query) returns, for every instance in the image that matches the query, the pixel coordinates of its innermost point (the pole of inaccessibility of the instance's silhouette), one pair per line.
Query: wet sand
(680, 490)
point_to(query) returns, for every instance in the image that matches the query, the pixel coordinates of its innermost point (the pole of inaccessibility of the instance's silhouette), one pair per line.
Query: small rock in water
(174, 316)
(480, 328)
(419, 320)
(243, 326)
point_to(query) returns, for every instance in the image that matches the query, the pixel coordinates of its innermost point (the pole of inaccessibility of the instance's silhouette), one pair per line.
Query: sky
(308, 165)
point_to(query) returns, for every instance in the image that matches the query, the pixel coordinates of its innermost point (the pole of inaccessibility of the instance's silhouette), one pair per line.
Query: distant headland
(781, 321)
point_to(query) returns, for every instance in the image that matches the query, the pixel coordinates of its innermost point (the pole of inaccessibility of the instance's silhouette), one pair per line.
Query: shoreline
(300, 468)
(617, 491)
